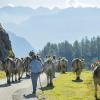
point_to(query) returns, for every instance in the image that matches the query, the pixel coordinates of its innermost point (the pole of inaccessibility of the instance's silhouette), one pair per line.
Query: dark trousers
(34, 78)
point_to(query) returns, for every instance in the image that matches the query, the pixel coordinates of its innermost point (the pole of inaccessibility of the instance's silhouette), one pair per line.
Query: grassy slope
(66, 89)
(2, 74)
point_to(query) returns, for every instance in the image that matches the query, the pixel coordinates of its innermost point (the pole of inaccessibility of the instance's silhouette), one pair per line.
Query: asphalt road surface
(16, 90)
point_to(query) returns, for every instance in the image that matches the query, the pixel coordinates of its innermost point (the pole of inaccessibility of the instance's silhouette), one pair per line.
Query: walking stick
(43, 98)
(41, 84)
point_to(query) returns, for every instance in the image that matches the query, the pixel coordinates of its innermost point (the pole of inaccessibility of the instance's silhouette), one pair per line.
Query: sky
(51, 3)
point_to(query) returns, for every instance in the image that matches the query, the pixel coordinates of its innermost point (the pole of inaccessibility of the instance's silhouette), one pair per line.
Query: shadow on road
(25, 77)
(29, 96)
(4, 85)
(16, 82)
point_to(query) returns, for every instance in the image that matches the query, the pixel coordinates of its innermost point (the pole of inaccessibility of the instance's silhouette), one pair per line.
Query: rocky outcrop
(5, 43)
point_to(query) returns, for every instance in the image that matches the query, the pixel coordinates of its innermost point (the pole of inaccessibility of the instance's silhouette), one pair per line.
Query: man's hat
(32, 53)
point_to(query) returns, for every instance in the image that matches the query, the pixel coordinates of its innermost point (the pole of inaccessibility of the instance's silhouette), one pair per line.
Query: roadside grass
(66, 89)
(2, 75)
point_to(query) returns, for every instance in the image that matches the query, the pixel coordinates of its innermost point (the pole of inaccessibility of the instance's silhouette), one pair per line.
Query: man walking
(35, 68)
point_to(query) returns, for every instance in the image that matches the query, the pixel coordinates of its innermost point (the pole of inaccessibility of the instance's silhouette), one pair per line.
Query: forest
(87, 49)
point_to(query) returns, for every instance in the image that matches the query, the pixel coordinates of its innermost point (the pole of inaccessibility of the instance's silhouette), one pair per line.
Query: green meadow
(65, 88)
(2, 75)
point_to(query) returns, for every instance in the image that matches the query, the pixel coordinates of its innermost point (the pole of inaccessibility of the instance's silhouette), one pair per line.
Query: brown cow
(96, 78)
(77, 65)
(9, 68)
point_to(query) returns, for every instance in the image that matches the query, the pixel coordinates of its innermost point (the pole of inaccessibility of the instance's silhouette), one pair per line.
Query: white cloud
(44, 3)
(52, 3)
(11, 5)
(82, 3)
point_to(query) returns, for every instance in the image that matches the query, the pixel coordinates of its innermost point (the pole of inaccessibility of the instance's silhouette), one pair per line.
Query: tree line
(88, 49)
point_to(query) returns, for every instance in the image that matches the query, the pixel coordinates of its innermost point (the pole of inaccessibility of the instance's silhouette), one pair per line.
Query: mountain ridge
(63, 24)
(20, 46)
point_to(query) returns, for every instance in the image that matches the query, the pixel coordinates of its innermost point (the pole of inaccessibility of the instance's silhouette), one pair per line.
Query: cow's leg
(19, 76)
(64, 69)
(54, 73)
(61, 69)
(95, 84)
(7, 79)
(26, 72)
(15, 76)
(48, 83)
(12, 77)
(22, 73)
(78, 75)
(9, 75)
(29, 74)
(51, 78)
(58, 68)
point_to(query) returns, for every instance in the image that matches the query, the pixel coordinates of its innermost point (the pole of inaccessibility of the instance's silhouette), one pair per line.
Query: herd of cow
(17, 67)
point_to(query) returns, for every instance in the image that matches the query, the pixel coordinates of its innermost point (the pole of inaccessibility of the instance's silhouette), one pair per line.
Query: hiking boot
(34, 92)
